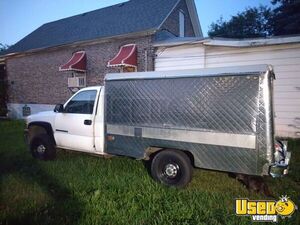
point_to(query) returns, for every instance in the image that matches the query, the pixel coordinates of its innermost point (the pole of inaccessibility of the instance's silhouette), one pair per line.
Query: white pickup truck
(219, 119)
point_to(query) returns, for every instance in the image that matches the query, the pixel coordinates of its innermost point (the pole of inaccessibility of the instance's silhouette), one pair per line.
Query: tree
(286, 17)
(251, 23)
(261, 21)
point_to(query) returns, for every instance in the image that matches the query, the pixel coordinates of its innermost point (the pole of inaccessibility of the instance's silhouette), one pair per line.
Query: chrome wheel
(41, 149)
(171, 170)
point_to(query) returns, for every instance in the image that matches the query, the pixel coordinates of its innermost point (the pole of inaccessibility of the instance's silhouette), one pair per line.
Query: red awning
(76, 63)
(127, 56)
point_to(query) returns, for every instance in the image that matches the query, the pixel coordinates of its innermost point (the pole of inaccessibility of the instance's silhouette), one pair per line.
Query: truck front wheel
(42, 147)
(172, 168)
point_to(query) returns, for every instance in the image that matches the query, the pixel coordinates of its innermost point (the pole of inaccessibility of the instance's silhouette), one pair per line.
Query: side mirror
(59, 108)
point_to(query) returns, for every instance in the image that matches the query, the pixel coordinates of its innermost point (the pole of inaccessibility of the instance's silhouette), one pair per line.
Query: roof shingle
(124, 18)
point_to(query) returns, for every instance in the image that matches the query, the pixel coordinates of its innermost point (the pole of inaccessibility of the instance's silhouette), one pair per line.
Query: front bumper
(280, 169)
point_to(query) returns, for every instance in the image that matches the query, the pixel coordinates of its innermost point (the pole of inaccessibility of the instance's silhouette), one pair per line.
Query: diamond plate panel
(230, 104)
(221, 158)
(265, 124)
(225, 104)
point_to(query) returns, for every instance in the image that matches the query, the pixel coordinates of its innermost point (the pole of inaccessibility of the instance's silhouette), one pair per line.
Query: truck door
(74, 128)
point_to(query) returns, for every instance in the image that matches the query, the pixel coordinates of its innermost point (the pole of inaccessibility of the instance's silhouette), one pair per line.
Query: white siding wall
(285, 59)
(180, 58)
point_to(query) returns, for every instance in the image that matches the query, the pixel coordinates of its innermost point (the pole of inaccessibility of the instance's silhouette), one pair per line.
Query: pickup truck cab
(177, 120)
(77, 125)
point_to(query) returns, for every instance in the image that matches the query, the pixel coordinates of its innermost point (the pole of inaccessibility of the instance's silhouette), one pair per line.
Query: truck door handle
(87, 122)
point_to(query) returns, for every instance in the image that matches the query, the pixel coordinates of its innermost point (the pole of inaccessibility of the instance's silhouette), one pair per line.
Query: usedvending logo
(265, 210)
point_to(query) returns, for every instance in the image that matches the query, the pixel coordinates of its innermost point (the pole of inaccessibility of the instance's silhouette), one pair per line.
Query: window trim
(181, 24)
(73, 96)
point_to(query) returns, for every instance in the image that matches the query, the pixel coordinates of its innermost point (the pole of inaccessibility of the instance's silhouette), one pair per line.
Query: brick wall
(172, 22)
(35, 78)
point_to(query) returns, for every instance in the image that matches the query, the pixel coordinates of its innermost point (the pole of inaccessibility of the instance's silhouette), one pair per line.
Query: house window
(181, 24)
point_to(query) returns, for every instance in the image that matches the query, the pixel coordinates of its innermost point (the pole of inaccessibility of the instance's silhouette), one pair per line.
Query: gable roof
(129, 17)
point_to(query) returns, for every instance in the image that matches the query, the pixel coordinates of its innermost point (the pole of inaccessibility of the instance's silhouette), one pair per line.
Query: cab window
(82, 103)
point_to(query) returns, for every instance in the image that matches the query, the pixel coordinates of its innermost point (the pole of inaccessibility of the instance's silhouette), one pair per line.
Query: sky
(18, 18)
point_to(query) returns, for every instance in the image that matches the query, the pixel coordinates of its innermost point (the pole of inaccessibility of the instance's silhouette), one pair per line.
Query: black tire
(42, 147)
(172, 168)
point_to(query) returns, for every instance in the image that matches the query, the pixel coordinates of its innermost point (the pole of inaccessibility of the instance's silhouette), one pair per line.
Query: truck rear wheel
(42, 147)
(172, 168)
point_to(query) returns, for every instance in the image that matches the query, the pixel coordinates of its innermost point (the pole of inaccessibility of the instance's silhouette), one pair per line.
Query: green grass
(83, 189)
